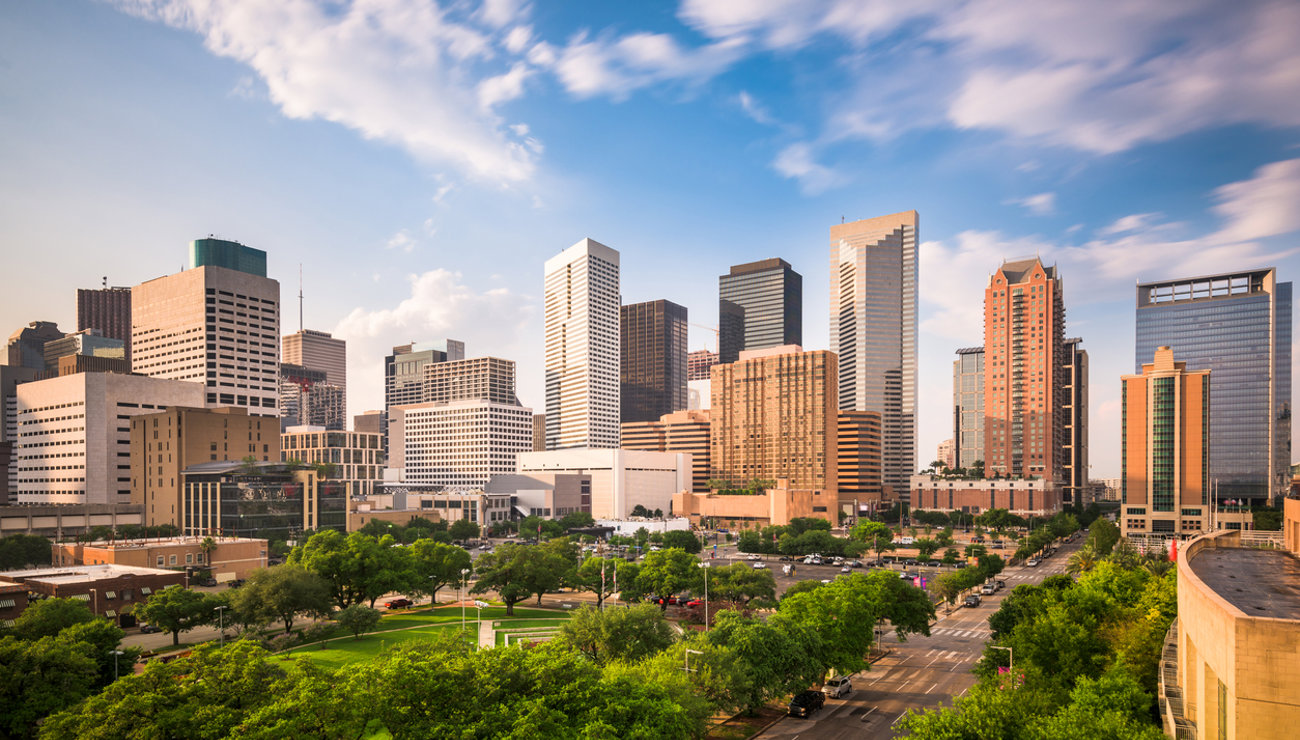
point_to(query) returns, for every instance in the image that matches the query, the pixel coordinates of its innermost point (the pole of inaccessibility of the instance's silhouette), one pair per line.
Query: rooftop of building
(1015, 270)
(81, 573)
(768, 264)
(154, 542)
(971, 351)
(1261, 583)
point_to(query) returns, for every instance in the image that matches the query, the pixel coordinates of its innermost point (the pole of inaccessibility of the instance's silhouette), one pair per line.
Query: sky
(421, 160)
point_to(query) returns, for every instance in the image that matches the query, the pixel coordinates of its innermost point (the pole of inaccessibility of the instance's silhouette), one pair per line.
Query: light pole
(464, 572)
(478, 606)
(705, 566)
(95, 601)
(115, 654)
(221, 623)
(1011, 662)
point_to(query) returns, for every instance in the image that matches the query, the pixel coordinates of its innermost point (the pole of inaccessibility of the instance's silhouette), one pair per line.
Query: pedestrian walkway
(981, 632)
(487, 634)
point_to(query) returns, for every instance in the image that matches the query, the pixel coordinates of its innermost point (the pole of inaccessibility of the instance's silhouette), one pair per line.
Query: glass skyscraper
(968, 406)
(653, 360)
(1238, 326)
(760, 305)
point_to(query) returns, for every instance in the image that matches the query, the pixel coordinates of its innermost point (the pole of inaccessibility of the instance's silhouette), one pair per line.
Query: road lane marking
(932, 688)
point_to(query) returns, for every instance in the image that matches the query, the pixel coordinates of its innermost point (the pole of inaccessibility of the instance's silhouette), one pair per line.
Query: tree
(640, 511)
(436, 565)
(739, 584)
(778, 660)
(1102, 535)
(950, 556)
(281, 593)
(463, 529)
(515, 571)
(24, 550)
(925, 547)
(326, 554)
(600, 576)
(208, 546)
(577, 520)
(948, 586)
(1082, 560)
(877, 535)
(357, 619)
(683, 540)
(40, 677)
(668, 572)
(49, 617)
(176, 610)
(618, 634)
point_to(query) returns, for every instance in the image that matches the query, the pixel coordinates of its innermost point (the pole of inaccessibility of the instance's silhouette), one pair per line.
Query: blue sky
(421, 160)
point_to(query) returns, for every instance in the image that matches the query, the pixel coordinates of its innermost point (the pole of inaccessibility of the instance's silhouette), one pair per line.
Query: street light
(115, 653)
(1011, 662)
(461, 599)
(705, 566)
(221, 623)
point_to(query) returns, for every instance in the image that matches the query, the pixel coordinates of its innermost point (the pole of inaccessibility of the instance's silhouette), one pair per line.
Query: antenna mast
(300, 297)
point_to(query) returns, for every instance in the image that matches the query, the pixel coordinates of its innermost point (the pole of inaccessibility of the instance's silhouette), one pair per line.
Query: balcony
(1172, 709)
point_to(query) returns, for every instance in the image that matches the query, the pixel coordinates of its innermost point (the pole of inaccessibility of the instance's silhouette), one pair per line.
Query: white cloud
(617, 66)
(1042, 204)
(796, 162)
(517, 39)
(783, 24)
(401, 240)
(499, 13)
(1266, 205)
(397, 71)
(1132, 222)
(439, 306)
(504, 88)
(754, 109)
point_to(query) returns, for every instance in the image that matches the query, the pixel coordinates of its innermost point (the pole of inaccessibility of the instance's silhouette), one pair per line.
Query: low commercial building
(548, 495)
(60, 522)
(680, 431)
(484, 509)
(1034, 497)
(259, 500)
(458, 445)
(111, 591)
(1231, 663)
(775, 506)
(620, 479)
(230, 558)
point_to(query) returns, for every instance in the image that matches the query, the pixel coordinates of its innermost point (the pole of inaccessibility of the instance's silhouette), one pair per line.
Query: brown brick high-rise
(108, 310)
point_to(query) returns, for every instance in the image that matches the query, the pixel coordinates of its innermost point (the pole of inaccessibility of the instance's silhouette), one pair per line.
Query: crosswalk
(982, 632)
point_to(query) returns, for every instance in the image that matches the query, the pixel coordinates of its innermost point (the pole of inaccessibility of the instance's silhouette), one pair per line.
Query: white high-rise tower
(873, 330)
(582, 347)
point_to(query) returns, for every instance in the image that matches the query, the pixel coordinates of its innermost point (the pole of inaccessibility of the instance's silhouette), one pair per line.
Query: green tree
(463, 529)
(682, 540)
(600, 576)
(516, 571)
(925, 547)
(739, 584)
(577, 520)
(876, 535)
(281, 594)
(358, 618)
(326, 554)
(436, 565)
(777, 660)
(40, 677)
(176, 609)
(24, 551)
(49, 617)
(948, 586)
(668, 572)
(618, 634)
(951, 556)
(1082, 560)
(1102, 535)
(208, 546)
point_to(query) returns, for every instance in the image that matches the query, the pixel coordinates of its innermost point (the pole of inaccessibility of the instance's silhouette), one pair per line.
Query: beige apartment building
(681, 431)
(165, 443)
(357, 457)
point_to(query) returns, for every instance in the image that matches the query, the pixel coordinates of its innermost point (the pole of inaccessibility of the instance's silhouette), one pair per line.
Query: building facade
(166, 442)
(86, 343)
(214, 326)
(1024, 371)
(699, 364)
(1238, 326)
(620, 479)
(682, 431)
(229, 255)
(774, 506)
(108, 311)
(968, 406)
(1165, 449)
(230, 557)
(111, 591)
(72, 443)
(858, 472)
(653, 336)
(873, 330)
(1074, 407)
(760, 305)
(308, 398)
(539, 432)
(458, 445)
(404, 369)
(488, 378)
(582, 305)
(26, 346)
(10, 378)
(259, 500)
(319, 350)
(1038, 497)
(355, 458)
(774, 416)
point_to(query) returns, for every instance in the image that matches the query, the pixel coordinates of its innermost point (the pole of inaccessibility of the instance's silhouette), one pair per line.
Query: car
(1001, 584)
(805, 703)
(694, 603)
(997, 544)
(786, 559)
(911, 563)
(1033, 562)
(149, 629)
(205, 581)
(753, 556)
(846, 569)
(837, 686)
(854, 563)
(237, 583)
(760, 566)
(398, 603)
(988, 589)
(972, 600)
(485, 546)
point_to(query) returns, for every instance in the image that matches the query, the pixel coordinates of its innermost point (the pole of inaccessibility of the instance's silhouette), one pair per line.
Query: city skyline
(1109, 177)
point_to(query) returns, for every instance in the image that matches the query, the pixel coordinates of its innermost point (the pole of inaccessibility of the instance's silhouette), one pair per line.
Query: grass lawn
(528, 625)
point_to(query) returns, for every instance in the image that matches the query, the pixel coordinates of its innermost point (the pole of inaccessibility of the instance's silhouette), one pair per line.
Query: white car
(760, 566)
(837, 687)
(1033, 562)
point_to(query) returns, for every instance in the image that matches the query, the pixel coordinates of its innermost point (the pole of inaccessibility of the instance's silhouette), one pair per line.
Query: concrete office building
(368, 423)
(26, 346)
(72, 441)
(582, 305)
(873, 330)
(458, 445)
(968, 406)
(1238, 326)
(319, 350)
(620, 479)
(547, 495)
(402, 500)
(1038, 497)
(775, 506)
(261, 500)
(165, 443)
(774, 416)
(10, 377)
(108, 311)
(760, 305)
(111, 591)
(539, 432)
(1165, 452)
(1024, 371)
(699, 364)
(858, 473)
(681, 431)
(487, 378)
(1074, 407)
(653, 360)
(59, 521)
(307, 398)
(232, 558)
(86, 343)
(212, 325)
(946, 453)
(404, 374)
(357, 458)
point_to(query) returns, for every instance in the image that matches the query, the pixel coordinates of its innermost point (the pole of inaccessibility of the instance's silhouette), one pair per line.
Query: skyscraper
(873, 330)
(760, 305)
(317, 350)
(1238, 326)
(582, 347)
(968, 406)
(1166, 447)
(1074, 404)
(1024, 376)
(212, 325)
(680, 431)
(857, 464)
(653, 336)
(404, 369)
(108, 310)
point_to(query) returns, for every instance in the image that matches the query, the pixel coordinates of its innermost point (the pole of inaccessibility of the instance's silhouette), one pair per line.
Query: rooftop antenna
(300, 297)
(104, 281)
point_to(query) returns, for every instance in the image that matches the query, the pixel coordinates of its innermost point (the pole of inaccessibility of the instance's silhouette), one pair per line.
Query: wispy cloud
(1042, 204)
(616, 66)
(797, 162)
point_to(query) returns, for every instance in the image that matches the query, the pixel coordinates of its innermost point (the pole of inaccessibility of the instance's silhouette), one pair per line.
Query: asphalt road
(922, 673)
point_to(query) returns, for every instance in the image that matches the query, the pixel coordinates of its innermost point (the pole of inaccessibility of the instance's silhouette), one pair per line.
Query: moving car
(806, 702)
(694, 603)
(398, 603)
(149, 629)
(1033, 562)
(1001, 584)
(988, 588)
(837, 686)
(760, 566)
(972, 600)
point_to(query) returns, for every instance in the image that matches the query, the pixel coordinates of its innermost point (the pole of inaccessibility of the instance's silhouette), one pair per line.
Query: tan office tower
(539, 432)
(582, 347)
(1166, 448)
(212, 325)
(167, 442)
(1024, 371)
(873, 330)
(318, 350)
(680, 431)
(857, 472)
(774, 417)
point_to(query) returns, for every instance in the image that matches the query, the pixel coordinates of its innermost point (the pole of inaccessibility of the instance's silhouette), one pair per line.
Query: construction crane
(713, 329)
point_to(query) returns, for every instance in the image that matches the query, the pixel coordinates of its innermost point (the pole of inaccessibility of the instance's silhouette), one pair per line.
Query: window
(160, 559)
(171, 559)
(145, 591)
(189, 558)
(110, 594)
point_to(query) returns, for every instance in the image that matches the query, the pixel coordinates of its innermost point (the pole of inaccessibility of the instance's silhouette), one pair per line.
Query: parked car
(760, 566)
(806, 702)
(753, 556)
(399, 603)
(846, 569)
(1033, 562)
(206, 581)
(1001, 584)
(694, 603)
(988, 588)
(972, 600)
(149, 629)
(786, 559)
(997, 544)
(837, 686)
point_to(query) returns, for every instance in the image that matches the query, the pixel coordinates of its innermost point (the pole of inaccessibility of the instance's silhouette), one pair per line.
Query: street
(921, 673)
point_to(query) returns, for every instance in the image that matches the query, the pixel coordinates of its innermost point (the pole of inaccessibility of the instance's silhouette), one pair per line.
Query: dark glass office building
(760, 305)
(1238, 326)
(653, 360)
(227, 254)
(268, 500)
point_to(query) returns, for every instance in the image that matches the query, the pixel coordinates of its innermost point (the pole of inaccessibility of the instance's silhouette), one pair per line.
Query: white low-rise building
(620, 479)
